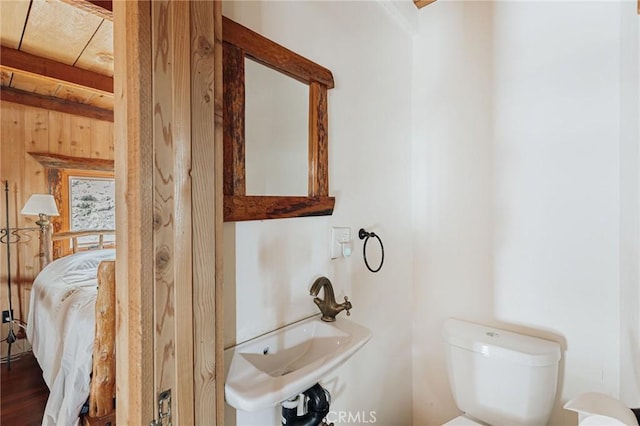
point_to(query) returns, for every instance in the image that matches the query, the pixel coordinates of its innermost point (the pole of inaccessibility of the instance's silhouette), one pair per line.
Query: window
(86, 201)
(91, 206)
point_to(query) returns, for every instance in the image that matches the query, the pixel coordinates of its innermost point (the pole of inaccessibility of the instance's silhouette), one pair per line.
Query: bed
(71, 327)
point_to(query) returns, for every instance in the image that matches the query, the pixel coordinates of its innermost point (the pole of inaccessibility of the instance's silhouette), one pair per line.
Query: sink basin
(279, 365)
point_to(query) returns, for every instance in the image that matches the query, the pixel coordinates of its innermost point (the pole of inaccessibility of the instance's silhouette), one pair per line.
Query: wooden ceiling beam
(55, 104)
(18, 61)
(100, 8)
(422, 3)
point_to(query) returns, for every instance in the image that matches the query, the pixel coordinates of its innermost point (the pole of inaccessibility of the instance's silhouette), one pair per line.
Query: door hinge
(164, 410)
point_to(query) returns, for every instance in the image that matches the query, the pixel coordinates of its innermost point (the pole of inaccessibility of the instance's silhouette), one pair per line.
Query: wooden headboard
(47, 239)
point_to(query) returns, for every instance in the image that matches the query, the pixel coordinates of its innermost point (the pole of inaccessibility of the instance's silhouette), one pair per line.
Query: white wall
(501, 171)
(629, 205)
(452, 189)
(270, 265)
(526, 169)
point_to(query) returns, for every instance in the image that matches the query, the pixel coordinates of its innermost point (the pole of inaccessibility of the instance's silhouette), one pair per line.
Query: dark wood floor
(23, 393)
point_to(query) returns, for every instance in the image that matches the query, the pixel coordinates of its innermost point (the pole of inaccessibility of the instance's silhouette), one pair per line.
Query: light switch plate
(339, 235)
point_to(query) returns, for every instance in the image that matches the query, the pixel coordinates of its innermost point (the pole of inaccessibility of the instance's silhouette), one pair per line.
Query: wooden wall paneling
(13, 136)
(172, 206)
(36, 130)
(12, 156)
(134, 215)
(26, 129)
(36, 139)
(206, 121)
(36, 126)
(101, 139)
(80, 137)
(59, 133)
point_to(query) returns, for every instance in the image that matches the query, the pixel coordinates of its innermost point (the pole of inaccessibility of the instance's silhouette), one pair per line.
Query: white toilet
(498, 377)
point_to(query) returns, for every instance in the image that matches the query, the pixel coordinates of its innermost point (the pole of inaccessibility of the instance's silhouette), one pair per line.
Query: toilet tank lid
(498, 343)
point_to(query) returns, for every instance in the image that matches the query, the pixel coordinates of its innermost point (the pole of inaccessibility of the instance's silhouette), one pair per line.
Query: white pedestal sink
(279, 365)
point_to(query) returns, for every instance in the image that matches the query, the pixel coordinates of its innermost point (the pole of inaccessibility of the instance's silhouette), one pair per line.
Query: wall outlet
(6, 317)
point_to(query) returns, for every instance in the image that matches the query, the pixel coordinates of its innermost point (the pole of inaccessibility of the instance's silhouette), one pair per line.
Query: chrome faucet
(329, 307)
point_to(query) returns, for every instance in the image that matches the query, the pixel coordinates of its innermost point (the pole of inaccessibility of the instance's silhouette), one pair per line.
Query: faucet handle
(347, 305)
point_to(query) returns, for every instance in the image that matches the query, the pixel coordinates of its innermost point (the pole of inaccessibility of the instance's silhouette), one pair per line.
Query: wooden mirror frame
(240, 42)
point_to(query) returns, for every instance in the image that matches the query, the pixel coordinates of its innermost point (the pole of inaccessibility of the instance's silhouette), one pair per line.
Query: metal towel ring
(364, 235)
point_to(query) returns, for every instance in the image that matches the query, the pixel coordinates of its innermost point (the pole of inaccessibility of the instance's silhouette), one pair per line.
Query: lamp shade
(40, 204)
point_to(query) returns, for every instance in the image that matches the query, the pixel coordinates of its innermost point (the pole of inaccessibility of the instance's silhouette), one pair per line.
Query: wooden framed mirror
(240, 44)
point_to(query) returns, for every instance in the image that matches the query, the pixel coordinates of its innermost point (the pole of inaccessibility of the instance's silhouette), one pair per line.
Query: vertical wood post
(46, 246)
(103, 379)
(168, 169)
(173, 287)
(206, 134)
(134, 215)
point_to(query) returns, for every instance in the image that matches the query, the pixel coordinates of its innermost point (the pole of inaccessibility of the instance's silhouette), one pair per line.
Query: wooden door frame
(142, 114)
(134, 215)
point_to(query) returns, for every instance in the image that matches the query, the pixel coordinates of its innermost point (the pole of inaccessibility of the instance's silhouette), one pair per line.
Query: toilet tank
(501, 377)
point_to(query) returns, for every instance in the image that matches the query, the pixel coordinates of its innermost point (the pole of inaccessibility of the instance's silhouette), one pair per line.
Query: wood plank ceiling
(58, 52)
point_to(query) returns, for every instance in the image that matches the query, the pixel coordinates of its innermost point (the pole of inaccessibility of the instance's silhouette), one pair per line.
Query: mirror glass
(276, 132)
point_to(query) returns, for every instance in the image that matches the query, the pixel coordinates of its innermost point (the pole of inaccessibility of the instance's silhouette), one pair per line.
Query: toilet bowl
(498, 377)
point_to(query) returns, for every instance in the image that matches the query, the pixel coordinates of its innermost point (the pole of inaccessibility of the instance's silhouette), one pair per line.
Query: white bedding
(61, 329)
